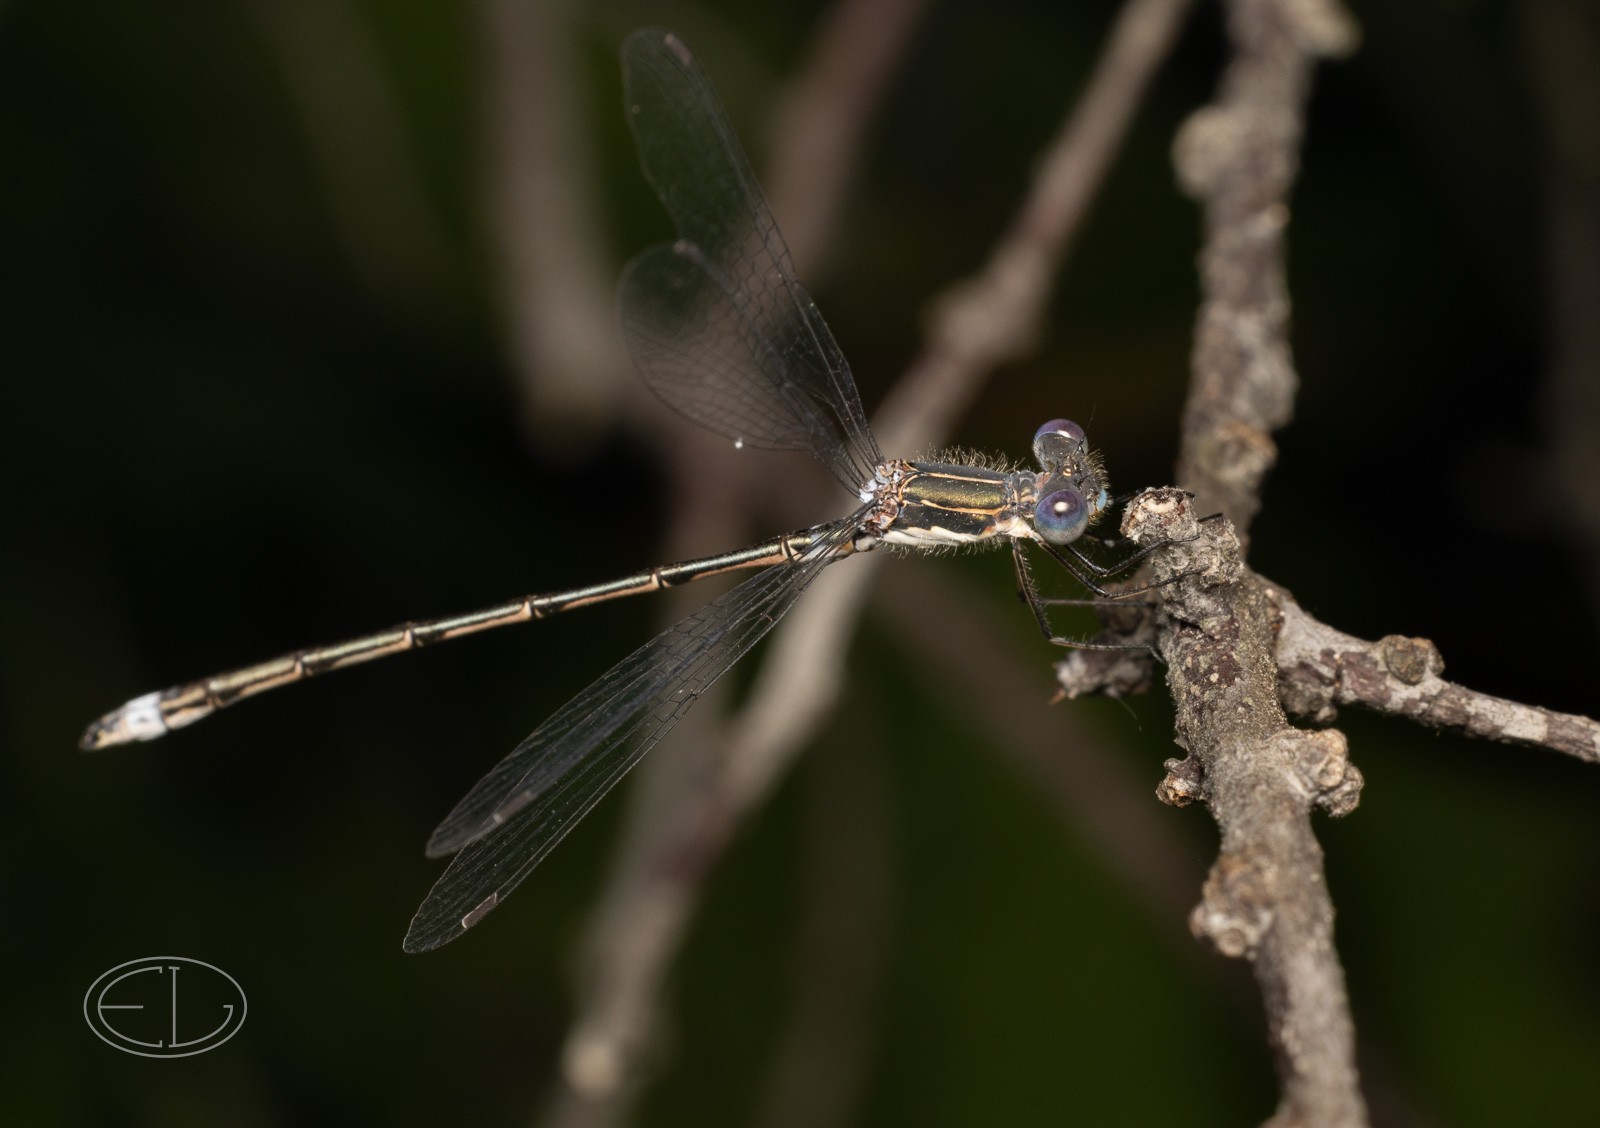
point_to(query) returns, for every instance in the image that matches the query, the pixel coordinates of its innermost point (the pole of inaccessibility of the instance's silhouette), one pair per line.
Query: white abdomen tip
(139, 719)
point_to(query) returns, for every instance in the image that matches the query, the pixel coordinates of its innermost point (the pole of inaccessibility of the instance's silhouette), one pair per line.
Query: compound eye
(1061, 517)
(1067, 427)
(1057, 441)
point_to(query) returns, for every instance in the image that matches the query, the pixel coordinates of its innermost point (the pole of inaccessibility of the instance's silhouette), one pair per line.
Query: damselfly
(719, 329)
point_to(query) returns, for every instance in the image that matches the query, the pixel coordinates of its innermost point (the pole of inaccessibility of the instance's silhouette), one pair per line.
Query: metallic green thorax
(946, 504)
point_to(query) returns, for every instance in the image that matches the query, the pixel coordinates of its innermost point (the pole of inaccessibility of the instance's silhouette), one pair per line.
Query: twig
(1239, 156)
(1320, 668)
(1090, 786)
(1235, 644)
(1266, 898)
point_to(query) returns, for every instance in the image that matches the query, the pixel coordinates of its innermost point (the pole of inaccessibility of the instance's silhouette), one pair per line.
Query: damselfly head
(1072, 490)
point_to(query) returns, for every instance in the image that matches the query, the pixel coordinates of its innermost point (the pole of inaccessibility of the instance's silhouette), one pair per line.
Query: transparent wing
(517, 813)
(717, 324)
(700, 353)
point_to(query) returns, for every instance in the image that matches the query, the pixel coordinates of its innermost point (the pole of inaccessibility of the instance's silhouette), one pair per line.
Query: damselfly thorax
(954, 504)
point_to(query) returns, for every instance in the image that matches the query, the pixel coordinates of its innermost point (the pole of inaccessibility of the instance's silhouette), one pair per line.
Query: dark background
(222, 437)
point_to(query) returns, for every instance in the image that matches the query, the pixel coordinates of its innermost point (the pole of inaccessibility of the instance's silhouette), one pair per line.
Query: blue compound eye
(1067, 427)
(1057, 441)
(1061, 517)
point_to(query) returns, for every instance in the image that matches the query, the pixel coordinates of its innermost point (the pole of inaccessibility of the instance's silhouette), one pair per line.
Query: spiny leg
(1029, 592)
(1085, 571)
(1104, 572)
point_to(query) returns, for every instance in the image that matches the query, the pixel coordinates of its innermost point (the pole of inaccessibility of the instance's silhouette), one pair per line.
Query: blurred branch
(822, 1058)
(556, 281)
(823, 115)
(997, 316)
(655, 875)
(994, 316)
(675, 835)
(1088, 783)
(676, 830)
(799, 681)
